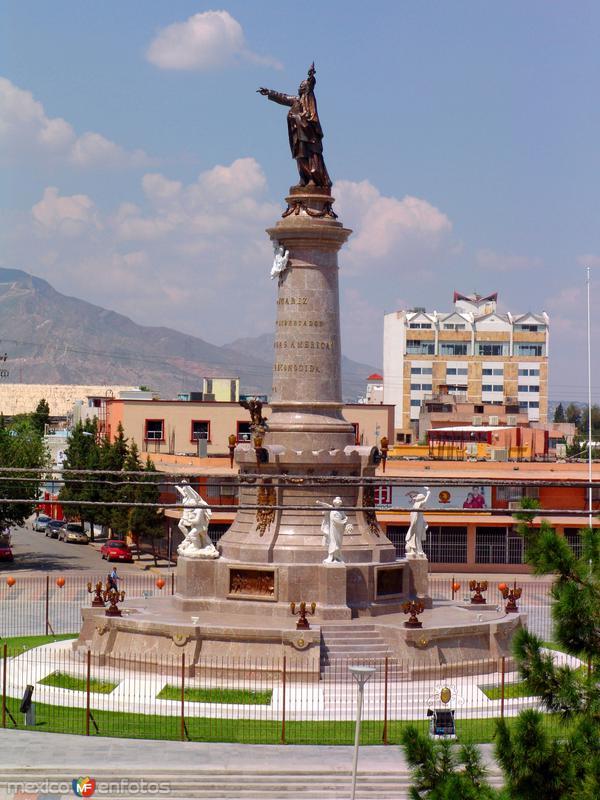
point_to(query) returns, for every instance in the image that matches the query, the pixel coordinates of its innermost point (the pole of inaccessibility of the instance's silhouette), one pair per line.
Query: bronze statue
(257, 421)
(304, 131)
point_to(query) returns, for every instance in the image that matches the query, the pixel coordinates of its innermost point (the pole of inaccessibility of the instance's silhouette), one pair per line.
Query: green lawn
(511, 690)
(65, 681)
(241, 696)
(19, 644)
(63, 719)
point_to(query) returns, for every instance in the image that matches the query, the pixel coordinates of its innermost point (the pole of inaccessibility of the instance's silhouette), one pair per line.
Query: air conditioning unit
(478, 420)
(499, 454)
(514, 505)
(511, 419)
(494, 420)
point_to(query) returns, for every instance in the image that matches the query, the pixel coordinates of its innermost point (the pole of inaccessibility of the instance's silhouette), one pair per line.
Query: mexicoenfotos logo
(84, 787)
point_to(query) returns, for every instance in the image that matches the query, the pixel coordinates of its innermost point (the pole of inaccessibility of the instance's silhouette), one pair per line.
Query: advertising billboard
(471, 498)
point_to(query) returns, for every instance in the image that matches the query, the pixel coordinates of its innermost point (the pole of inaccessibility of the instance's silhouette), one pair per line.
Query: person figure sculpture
(415, 536)
(280, 260)
(304, 131)
(194, 525)
(335, 524)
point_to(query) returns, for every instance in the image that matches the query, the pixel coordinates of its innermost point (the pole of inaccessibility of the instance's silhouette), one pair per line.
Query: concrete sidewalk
(200, 769)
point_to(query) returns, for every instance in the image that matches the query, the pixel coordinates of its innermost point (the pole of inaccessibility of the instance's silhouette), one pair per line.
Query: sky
(140, 168)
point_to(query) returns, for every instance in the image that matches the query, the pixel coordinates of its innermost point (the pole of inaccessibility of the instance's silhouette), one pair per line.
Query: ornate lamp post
(232, 440)
(384, 447)
(302, 624)
(113, 596)
(98, 591)
(512, 595)
(413, 607)
(478, 587)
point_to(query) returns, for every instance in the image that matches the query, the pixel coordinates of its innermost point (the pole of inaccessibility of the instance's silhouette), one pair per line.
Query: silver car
(74, 533)
(40, 523)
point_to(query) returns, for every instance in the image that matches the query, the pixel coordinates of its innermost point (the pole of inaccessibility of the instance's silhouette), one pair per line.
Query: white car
(40, 523)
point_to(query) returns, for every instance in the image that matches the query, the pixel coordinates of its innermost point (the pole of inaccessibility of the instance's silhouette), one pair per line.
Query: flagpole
(589, 357)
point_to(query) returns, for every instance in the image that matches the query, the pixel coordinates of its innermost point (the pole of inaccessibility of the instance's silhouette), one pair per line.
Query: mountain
(354, 374)
(52, 338)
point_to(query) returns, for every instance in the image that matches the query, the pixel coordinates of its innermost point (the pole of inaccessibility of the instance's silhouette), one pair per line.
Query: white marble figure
(280, 260)
(194, 525)
(335, 524)
(415, 536)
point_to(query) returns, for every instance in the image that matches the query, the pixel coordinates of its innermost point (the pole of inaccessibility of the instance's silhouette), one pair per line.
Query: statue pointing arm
(277, 97)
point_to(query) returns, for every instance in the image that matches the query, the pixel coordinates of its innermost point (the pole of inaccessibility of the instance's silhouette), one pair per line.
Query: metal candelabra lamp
(98, 592)
(113, 596)
(413, 607)
(478, 587)
(384, 446)
(511, 595)
(301, 612)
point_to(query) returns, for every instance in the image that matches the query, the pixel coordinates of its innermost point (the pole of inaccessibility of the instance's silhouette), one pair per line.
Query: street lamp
(361, 675)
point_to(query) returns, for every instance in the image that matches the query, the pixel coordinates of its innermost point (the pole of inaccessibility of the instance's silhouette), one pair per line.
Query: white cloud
(205, 41)
(67, 215)
(385, 226)
(26, 131)
(492, 261)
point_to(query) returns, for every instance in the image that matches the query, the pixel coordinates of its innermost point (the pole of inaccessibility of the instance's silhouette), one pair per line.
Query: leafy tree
(441, 772)
(147, 522)
(41, 416)
(112, 458)
(559, 413)
(573, 414)
(21, 446)
(82, 453)
(121, 515)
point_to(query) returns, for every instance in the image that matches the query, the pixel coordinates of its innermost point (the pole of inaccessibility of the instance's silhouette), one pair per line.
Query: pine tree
(559, 413)
(534, 765)
(121, 515)
(82, 453)
(441, 772)
(41, 416)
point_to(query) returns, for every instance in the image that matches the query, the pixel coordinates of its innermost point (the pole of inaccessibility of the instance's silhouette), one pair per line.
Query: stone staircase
(342, 646)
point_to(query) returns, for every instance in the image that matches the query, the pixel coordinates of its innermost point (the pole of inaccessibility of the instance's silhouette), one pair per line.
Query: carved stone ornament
(180, 639)
(101, 629)
(370, 517)
(300, 643)
(297, 204)
(265, 516)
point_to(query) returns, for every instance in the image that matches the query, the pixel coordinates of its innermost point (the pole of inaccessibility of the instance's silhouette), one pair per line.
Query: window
(534, 373)
(355, 425)
(454, 348)
(492, 387)
(200, 430)
(523, 387)
(233, 391)
(492, 349)
(426, 387)
(223, 489)
(427, 371)
(574, 540)
(454, 326)
(496, 372)
(416, 346)
(530, 328)
(512, 494)
(419, 325)
(244, 434)
(154, 429)
(534, 404)
(498, 545)
(421, 371)
(209, 386)
(415, 402)
(415, 370)
(534, 388)
(415, 387)
(529, 349)
(446, 545)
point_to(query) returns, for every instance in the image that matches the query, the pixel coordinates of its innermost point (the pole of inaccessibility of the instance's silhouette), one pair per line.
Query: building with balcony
(475, 352)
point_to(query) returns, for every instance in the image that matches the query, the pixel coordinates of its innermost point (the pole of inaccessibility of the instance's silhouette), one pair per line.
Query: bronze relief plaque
(389, 582)
(255, 583)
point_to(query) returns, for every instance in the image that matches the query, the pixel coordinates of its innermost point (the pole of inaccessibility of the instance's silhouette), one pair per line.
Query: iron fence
(253, 700)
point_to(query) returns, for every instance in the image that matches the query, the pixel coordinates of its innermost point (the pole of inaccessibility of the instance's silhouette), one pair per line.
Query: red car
(116, 550)
(6, 554)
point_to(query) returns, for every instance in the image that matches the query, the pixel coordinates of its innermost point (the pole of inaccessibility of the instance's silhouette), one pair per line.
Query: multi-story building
(478, 353)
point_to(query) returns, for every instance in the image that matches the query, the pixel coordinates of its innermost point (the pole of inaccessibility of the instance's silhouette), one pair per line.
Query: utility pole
(589, 357)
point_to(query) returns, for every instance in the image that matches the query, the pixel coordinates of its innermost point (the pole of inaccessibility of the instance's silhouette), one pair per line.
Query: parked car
(40, 523)
(6, 553)
(73, 532)
(116, 550)
(53, 527)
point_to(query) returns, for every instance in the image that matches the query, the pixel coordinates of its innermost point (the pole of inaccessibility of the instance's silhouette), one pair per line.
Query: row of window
(525, 404)
(492, 387)
(525, 387)
(421, 387)
(154, 430)
(461, 326)
(419, 347)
